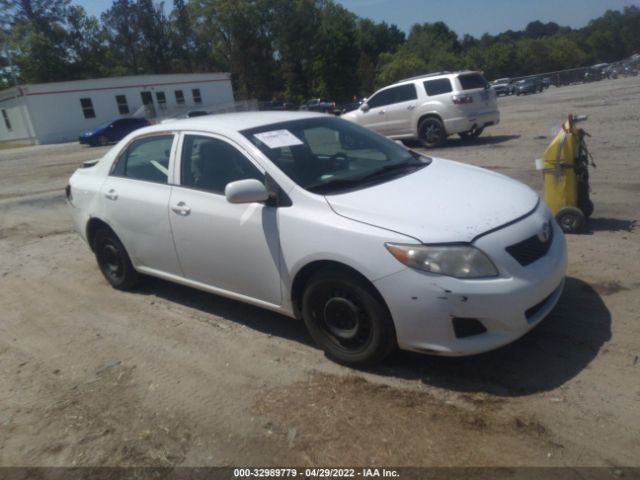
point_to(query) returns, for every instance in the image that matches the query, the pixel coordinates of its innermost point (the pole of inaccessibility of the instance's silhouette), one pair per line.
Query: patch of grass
(7, 146)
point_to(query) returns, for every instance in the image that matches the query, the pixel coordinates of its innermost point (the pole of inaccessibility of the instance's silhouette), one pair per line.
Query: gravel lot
(167, 375)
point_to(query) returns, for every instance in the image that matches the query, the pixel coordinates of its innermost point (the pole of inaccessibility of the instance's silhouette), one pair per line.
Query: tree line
(291, 49)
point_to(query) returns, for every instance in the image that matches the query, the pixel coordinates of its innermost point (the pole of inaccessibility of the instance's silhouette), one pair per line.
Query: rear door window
(471, 81)
(146, 159)
(438, 86)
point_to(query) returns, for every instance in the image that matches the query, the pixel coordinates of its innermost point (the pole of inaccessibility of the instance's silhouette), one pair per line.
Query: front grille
(530, 250)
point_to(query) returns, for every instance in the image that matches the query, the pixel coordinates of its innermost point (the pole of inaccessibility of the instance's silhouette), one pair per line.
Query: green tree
(36, 36)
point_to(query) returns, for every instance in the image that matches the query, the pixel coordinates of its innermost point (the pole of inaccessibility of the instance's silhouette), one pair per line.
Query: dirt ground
(167, 375)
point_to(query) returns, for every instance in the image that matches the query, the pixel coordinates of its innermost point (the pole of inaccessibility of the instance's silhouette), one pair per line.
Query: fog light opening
(467, 327)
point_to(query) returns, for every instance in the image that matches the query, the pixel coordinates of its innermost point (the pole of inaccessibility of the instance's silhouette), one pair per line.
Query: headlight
(460, 261)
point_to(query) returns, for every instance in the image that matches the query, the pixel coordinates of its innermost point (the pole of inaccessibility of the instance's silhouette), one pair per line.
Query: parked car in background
(503, 86)
(278, 105)
(112, 131)
(374, 246)
(320, 105)
(352, 105)
(431, 108)
(527, 85)
(189, 114)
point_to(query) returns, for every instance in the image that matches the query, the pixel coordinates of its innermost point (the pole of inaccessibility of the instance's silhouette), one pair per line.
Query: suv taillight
(461, 99)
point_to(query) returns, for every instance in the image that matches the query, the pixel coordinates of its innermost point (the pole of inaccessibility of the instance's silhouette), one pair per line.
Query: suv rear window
(469, 81)
(437, 87)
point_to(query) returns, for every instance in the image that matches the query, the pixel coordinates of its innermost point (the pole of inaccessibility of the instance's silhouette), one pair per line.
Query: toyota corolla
(372, 245)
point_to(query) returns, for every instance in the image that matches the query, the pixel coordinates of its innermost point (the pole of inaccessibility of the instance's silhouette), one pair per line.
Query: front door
(232, 247)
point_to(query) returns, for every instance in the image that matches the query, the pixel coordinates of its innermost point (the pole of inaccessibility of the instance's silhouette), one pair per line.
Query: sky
(474, 17)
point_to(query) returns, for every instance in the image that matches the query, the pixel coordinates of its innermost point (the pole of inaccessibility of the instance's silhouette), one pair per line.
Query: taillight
(461, 99)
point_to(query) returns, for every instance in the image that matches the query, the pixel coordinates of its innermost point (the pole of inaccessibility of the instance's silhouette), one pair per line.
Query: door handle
(181, 209)
(111, 194)
(381, 112)
(411, 107)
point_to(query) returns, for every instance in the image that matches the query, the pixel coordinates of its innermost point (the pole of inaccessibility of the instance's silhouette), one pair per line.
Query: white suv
(431, 107)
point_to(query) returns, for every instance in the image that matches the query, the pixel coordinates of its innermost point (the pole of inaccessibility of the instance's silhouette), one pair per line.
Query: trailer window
(87, 108)
(7, 123)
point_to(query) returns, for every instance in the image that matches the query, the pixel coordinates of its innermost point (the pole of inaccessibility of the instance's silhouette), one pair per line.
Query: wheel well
(92, 227)
(303, 276)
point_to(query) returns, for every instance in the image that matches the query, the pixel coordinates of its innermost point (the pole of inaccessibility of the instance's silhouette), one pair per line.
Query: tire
(113, 260)
(102, 140)
(431, 132)
(471, 134)
(346, 319)
(571, 219)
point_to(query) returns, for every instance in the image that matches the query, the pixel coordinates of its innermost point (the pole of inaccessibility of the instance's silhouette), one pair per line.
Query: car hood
(444, 202)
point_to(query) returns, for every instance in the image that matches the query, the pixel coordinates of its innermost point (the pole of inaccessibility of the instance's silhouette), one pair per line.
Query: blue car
(112, 131)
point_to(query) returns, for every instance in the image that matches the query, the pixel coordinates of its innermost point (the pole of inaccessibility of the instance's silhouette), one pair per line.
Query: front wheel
(344, 317)
(431, 132)
(471, 134)
(113, 260)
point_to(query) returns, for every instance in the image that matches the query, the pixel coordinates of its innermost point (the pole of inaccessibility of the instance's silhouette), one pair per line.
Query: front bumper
(424, 305)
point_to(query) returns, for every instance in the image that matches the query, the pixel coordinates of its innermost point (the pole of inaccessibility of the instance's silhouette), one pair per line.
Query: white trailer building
(58, 112)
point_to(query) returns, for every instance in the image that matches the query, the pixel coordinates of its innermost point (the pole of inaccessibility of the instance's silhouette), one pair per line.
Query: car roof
(435, 74)
(232, 122)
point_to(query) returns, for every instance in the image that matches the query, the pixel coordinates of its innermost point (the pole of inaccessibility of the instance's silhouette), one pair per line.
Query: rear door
(135, 202)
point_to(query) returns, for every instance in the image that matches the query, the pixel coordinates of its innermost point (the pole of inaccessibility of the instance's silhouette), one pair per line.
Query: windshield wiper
(396, 167)
(334, 184)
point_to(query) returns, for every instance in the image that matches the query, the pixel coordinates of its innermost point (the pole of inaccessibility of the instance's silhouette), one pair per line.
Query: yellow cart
(566, 177)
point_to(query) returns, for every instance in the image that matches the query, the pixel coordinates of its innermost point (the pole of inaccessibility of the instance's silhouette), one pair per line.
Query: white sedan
(374, 246)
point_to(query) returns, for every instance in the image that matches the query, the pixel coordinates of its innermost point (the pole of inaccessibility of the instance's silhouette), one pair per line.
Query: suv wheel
(431, 132)
(471, 134)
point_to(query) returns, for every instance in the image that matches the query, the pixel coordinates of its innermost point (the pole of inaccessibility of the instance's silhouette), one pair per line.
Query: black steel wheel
(431, 132)
(571, 219)
(113, 260)
(471, 134)
(346, 319)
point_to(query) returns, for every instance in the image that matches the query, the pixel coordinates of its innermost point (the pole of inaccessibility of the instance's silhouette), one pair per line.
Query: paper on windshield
(278, 138)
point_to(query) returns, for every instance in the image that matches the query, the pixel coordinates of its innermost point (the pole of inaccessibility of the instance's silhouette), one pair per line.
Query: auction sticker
(278, 138)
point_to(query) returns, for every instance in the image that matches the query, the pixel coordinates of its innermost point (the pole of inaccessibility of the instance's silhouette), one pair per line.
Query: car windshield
(328, 155)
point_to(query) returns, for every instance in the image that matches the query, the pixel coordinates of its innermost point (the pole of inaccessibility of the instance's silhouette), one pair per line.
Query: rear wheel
(471, 134)
(571, 219)
(344, 317)
(431, 132)
(113, 260)
(102, 140)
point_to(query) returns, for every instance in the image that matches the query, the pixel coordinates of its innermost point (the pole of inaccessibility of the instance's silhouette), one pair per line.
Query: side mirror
(365, 107)
(246, 191)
